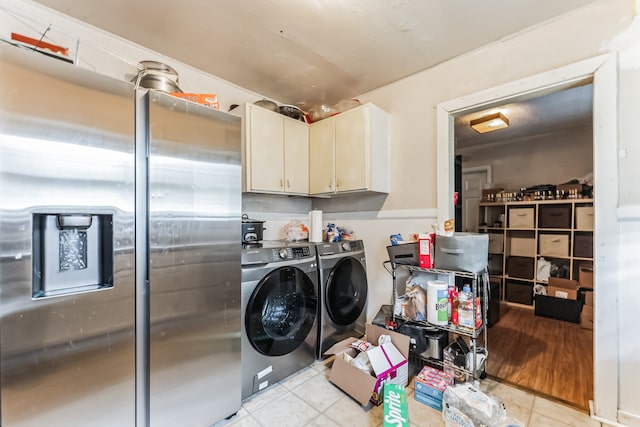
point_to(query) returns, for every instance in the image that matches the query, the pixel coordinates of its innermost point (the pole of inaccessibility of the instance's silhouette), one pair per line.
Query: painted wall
(543, 159)
(603, 26)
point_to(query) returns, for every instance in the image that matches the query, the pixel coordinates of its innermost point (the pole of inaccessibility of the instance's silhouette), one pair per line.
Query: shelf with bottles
(561, 230)
(491, 216)
(478, 285)
(471, 327)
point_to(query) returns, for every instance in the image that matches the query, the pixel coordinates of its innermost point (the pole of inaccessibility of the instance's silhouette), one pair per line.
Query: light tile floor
(307, 398)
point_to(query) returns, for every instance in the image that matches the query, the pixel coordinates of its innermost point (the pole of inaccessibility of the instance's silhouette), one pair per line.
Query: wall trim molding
(626, 418)
(399, 214)
(629, 213)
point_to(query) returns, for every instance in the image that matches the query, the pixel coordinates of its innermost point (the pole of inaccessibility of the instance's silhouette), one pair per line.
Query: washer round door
(281, 311)
(346, 293)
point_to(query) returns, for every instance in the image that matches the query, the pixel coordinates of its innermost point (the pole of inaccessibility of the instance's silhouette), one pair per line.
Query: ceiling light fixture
(489, 123)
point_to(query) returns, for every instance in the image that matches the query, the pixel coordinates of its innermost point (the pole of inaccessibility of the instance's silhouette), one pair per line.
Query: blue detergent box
(429, 400)
(432, 382)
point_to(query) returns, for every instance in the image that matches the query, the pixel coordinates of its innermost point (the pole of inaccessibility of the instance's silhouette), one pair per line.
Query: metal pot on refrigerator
(251, 229)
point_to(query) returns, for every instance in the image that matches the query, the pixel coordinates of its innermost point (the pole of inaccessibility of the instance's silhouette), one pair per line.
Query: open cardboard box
(563, 288)
(358, 384)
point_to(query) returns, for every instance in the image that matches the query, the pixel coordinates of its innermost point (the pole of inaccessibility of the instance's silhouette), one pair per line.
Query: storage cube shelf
(560, 231)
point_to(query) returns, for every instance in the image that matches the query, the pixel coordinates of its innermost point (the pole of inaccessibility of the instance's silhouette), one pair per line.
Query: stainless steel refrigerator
(119, 252)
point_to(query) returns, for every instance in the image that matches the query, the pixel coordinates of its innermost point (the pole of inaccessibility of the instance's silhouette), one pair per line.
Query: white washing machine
(343, 292)
(279, 317)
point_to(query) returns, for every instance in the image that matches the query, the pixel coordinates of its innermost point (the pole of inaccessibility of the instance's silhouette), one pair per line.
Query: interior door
(472, 185)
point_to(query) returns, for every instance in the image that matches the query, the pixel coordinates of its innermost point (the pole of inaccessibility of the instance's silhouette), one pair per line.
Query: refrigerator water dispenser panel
(72, 253)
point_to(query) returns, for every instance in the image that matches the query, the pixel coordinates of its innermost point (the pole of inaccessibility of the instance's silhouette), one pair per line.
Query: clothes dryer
(279, 318)
(343, 292)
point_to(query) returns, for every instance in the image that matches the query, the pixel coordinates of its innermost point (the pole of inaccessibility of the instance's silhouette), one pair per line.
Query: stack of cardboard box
(585, 277)
(561, 301)
(389, 362)
(430, 384)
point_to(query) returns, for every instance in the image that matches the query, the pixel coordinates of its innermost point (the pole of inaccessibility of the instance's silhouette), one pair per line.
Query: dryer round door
(281, 311)
(346, 291)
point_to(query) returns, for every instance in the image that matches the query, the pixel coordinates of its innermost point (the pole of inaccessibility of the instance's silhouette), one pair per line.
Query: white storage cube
(584, 217)
(554, 245)
(521, 217)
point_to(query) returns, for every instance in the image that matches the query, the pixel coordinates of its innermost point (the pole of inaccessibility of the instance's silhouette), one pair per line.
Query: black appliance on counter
(425, 341)
(251, 230)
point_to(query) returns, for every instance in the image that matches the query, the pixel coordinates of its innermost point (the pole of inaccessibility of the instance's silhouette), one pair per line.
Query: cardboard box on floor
(586, 319)
(352, 380)
(562, 288)
(585, 275)
(588, 297)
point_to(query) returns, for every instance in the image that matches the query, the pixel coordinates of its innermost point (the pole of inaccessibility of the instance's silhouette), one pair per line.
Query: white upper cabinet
(296, 156)
(350, 152)
(276, 153)
(322, 166)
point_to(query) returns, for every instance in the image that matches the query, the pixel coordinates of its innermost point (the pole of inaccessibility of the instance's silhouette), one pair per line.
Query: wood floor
(549, 357)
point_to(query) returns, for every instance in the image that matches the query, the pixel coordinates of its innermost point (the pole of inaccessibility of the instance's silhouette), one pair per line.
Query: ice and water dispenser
(72, 253)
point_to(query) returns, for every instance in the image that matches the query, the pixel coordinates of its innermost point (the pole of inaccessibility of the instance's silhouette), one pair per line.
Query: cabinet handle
(281, 183)
(288, 184)
(337, 183)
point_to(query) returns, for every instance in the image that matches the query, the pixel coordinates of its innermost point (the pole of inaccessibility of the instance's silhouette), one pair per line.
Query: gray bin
(462, 252)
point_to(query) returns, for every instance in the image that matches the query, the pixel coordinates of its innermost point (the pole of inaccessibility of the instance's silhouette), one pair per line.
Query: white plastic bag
(296, 230)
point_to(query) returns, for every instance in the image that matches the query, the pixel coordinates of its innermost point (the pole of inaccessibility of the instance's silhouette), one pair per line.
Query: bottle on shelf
(466, 316)
(450, 288)
(455, 304)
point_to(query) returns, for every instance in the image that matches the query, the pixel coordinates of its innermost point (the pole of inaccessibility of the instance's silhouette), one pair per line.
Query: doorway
(549, 141)
(603, 71)
(474, 180)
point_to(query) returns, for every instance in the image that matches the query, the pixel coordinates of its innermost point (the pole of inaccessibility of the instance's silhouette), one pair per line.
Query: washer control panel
(291, 253)
(276, 253)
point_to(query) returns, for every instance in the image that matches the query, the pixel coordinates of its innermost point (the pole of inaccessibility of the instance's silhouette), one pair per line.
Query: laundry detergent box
(395, 413)
(429, 401)
(432, 382)
(389, 365)
(358, 384)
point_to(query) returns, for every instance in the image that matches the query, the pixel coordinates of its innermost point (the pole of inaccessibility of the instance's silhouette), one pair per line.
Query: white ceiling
(551, 112)
(309, 52)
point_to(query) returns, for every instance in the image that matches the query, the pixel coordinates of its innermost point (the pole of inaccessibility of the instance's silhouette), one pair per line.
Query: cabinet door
(296, 157)
(322, 157)
(352, 149)
(266, 145)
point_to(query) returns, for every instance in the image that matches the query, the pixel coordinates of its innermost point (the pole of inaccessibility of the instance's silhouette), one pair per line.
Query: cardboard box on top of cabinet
(358, 384)
(207, 99)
